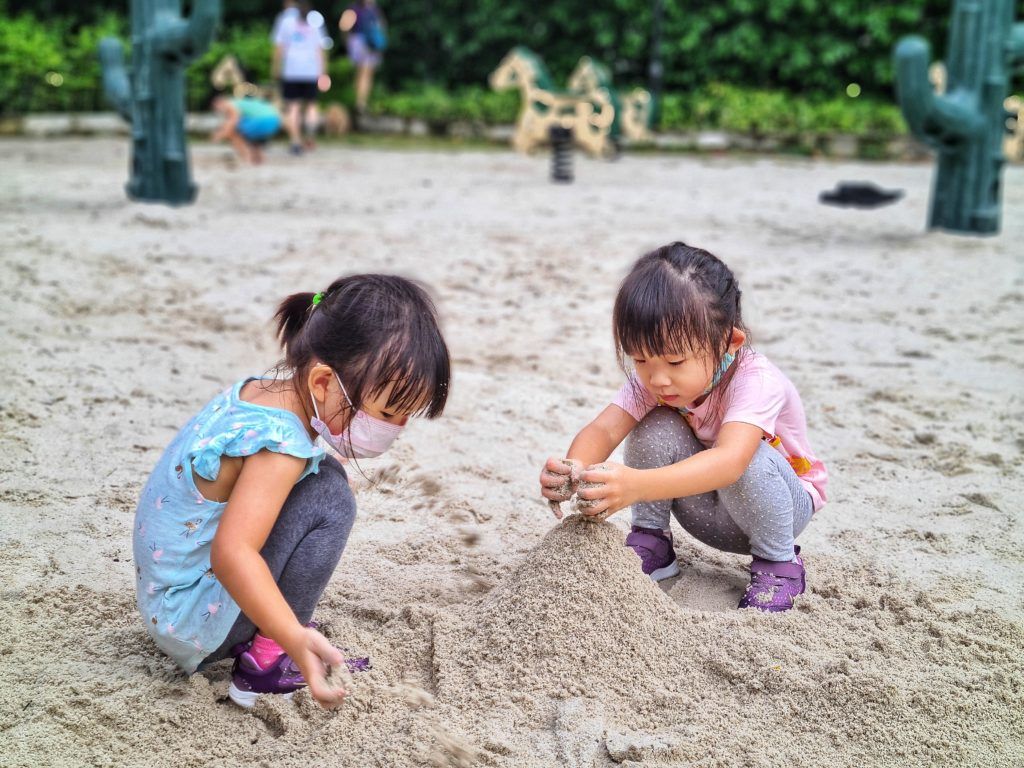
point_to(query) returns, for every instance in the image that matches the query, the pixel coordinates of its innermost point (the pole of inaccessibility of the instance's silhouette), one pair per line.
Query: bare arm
(324, 81)
(259, 493)
(231, 118)
(599, 438)
(717, 467)
(275, 62)
(594, 443)
(263, 485)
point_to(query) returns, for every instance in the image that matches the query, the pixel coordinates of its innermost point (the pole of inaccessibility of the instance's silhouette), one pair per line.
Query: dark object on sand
(859, 194)
(359, 664)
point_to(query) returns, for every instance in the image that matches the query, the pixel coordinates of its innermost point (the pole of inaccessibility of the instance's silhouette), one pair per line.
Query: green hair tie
(317, 298)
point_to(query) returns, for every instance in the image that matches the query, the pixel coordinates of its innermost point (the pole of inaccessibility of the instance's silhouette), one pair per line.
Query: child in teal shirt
(248, 124)
(245, 517)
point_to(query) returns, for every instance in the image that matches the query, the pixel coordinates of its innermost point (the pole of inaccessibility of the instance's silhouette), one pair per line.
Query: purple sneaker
(773, 586)
(248, 681)
(654, 548)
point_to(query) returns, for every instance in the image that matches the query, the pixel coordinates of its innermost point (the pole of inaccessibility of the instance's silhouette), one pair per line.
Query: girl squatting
(715, 433)
(245, 517)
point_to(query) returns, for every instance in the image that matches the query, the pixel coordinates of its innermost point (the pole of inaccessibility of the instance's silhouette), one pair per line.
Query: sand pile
(575, 617)
(572, 659)
(577, 639)
(146, 712)
(542, 653)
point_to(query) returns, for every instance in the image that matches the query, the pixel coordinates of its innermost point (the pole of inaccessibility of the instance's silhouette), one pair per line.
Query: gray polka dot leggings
(762, 513)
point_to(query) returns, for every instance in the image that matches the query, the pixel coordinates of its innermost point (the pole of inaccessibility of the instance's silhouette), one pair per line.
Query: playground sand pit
(499, 637)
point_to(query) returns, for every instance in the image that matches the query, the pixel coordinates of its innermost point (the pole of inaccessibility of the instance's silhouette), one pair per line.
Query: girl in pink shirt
(715, 433)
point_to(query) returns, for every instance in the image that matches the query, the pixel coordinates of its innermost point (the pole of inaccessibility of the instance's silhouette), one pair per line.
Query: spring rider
(966, 124)
(151, 96)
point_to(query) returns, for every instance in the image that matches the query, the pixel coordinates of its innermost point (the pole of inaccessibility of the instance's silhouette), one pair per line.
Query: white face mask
(367, 437)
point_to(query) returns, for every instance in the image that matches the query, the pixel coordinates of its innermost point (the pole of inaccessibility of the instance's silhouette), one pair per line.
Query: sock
(264, 650)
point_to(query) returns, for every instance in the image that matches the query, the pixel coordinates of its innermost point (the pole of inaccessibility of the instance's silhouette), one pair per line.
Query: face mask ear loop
(723, 366)
(343, 390)
(316, 411)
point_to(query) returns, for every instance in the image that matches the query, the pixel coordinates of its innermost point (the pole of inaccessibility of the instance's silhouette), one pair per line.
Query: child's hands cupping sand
(606, 488)
(558, 481)
(312, 654)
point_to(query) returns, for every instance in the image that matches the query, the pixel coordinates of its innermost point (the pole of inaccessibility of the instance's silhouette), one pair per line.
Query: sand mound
(578, 638)
(574, 659)
(576, 616)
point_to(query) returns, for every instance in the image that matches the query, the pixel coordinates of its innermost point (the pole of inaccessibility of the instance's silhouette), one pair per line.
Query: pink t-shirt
(759, 394)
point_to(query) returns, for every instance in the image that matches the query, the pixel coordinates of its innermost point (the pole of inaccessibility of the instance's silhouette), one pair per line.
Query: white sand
(492, 643)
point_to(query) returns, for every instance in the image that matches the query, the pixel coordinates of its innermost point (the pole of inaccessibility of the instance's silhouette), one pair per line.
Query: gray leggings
(303, 547)
(760, 514)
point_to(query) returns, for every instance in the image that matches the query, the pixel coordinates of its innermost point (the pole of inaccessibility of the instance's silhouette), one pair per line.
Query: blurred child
(366, 38)
(715, 433)
(300, 61)
(248, 124)
(244, 518)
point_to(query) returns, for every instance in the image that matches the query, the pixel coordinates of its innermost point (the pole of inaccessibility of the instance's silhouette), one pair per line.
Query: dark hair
(371, 330)
(211, 98)
(678, 299)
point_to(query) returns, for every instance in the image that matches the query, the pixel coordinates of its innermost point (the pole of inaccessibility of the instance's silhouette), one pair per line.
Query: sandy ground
(499, 639)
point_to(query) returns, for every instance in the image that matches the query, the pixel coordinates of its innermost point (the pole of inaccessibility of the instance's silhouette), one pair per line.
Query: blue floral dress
(186, 610)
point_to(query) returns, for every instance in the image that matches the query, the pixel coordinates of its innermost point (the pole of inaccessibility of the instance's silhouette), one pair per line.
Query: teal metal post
(151, 95)
(967, 123)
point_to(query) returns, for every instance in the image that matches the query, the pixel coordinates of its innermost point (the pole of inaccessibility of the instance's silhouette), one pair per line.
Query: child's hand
(606, 488)
(558, 480)
(312, 654)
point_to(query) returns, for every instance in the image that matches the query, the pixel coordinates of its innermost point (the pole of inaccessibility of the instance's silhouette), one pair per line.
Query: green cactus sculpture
(966, 124)
(152, 95)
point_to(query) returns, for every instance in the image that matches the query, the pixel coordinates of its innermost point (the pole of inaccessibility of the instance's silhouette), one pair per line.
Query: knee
(338, 501)
(325, 496)
(760, 474)
(663, 437)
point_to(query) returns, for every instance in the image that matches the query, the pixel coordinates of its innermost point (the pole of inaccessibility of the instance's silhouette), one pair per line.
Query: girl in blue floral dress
(245, 517)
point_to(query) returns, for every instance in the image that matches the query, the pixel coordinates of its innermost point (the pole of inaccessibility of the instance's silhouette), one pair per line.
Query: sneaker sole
(247, 699)
(666, 572)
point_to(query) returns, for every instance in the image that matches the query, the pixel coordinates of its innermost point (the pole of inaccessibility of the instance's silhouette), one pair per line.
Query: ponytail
(375, 331)
(291, 317)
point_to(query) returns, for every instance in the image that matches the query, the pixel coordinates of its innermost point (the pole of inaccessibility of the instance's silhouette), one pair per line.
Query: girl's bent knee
(663, 437)
(324, 498)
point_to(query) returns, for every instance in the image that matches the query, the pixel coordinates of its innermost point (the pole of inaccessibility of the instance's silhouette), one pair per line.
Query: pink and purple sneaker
(249, 680)
(654, 548)
(774, 586)
(281, 677)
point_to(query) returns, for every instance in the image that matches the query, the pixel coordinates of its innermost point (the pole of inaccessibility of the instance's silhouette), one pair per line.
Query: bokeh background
(784, 68)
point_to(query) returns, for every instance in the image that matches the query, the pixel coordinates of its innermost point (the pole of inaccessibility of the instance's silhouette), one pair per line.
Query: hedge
(30, 51)
(805, 47)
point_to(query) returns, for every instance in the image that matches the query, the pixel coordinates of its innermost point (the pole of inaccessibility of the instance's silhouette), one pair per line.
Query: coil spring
(561, 154)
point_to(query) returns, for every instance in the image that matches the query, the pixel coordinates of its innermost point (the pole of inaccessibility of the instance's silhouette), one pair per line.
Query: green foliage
(758, 68)
(342, 74)
(804, 47)
(251, 46)
(81, 67)
(747, 111)
(800, 46)
(758, 113)
(28, 51)
(439, 108)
